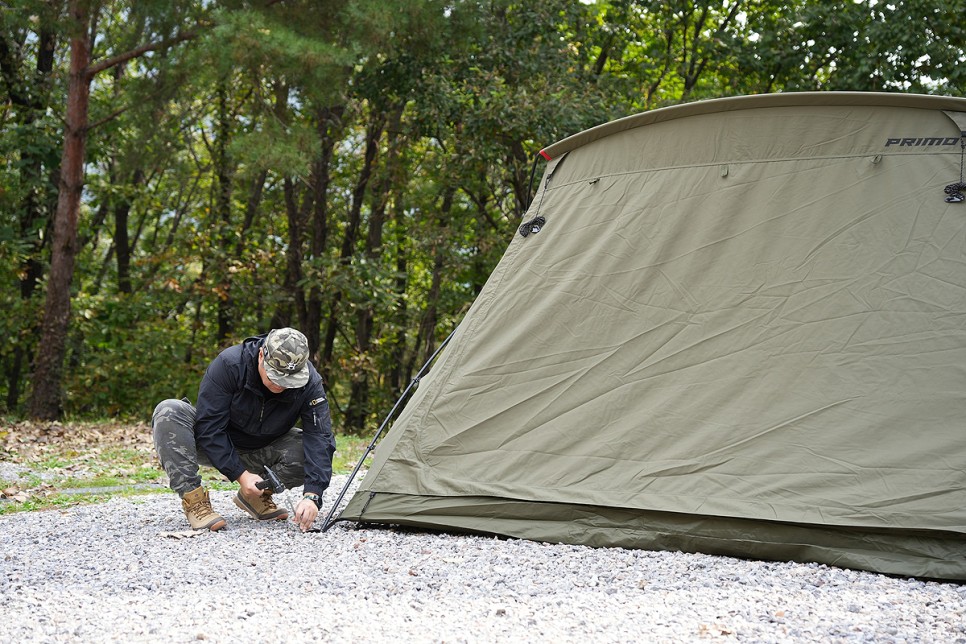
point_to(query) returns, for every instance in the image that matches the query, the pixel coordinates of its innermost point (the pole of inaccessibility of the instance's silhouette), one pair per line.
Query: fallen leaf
(181, 534)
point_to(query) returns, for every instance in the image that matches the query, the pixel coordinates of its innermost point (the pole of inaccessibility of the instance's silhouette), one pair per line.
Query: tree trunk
(400, 370)
(426, 340)
(373, 134)
(358, 409)
(427, 327)
(38, 203)
(122, 243)
(224, 183)
(293, 251)
(518, 166)
(328, 122)
(251, 210)
(46, 398)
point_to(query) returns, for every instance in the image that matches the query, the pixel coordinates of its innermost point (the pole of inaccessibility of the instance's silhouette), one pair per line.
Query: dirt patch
(39, 461)
(28, 442)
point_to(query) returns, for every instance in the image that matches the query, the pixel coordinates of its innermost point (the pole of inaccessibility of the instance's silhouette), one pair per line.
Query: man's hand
(305, 514)
(246, 483)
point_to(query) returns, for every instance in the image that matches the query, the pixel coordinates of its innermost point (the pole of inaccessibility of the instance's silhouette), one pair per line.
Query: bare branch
(107, 63)
(109, 117)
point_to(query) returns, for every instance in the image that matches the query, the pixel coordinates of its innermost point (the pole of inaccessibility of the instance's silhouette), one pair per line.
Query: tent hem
(925, 554)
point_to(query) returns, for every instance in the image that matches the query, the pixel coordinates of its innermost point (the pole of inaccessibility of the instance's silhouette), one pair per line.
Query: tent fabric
(741, 330)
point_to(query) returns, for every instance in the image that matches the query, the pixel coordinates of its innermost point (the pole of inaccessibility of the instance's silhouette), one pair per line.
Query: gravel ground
(123, 571)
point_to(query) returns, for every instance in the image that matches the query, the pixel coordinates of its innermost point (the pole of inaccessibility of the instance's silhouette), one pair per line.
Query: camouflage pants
(174, 440)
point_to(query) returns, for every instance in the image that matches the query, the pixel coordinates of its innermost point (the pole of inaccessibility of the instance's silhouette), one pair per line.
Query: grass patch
(54, 465)
(348, 451)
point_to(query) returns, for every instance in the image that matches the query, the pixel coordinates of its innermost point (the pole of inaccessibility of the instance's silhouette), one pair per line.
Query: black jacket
(235, 410)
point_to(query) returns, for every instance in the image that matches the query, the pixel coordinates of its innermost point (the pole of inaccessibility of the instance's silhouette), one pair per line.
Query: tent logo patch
(922, 142)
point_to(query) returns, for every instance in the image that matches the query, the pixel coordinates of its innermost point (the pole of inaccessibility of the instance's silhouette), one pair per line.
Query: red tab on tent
(544, 154)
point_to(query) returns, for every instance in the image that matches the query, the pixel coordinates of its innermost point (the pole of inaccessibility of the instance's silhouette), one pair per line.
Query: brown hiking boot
(263, 508)
(197, 507)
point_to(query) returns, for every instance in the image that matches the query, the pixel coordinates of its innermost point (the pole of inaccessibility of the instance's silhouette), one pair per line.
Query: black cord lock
(533, 226)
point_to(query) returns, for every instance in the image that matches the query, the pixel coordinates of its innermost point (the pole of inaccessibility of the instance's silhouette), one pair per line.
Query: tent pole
(372, 444)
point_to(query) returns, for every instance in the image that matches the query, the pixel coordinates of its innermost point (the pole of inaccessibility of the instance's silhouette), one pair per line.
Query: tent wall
(742, 329)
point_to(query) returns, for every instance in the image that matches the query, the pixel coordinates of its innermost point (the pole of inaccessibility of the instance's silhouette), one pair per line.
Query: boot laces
(269, 502)
(201, 508)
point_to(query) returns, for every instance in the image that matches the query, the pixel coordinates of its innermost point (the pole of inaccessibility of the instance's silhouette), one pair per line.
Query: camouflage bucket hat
(286, 358)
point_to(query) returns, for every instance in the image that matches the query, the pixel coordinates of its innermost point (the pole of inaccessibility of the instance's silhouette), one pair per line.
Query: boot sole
(278, 515)
(215, 526)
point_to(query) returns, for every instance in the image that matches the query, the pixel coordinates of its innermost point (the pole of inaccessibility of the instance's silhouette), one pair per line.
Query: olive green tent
(735, 327)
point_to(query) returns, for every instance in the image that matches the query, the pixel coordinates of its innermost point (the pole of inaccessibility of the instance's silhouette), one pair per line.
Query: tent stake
(372, 444)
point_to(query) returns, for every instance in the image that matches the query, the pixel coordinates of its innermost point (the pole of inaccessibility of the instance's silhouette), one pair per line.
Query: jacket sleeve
(317, 439)
(211, 419)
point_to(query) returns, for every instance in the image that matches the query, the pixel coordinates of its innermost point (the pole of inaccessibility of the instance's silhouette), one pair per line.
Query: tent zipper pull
(366, 506)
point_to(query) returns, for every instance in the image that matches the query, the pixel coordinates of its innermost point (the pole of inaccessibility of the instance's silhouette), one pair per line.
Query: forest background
(178, 175)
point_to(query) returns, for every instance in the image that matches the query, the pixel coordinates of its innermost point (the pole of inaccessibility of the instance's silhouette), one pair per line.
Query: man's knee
(172, 410)
(172, 427)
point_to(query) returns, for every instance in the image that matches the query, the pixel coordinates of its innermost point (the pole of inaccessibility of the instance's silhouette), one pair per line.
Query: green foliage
(860, 46)
(129, 357)
(355, 167)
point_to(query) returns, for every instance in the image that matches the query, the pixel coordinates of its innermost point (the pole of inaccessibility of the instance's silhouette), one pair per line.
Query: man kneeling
(249, 401)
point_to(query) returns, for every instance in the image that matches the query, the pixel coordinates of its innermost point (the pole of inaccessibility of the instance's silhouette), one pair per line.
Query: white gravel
(110, 573)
